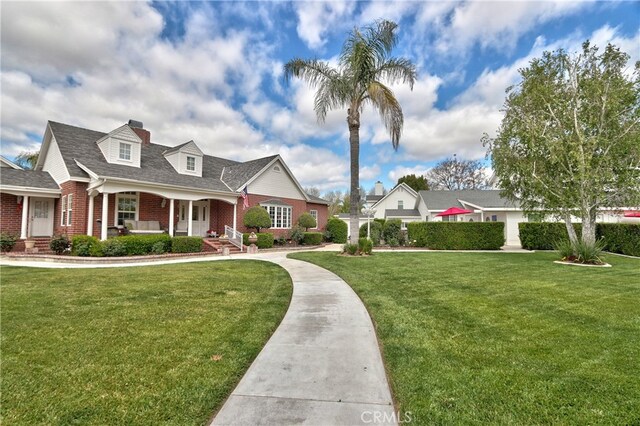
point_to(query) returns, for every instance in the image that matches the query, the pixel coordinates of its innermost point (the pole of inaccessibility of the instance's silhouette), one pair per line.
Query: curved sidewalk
(322, 366)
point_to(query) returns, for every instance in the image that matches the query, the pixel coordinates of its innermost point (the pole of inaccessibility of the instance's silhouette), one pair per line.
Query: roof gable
(396, 188)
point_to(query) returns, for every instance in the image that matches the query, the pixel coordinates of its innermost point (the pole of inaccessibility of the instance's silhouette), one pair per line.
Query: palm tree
(357, 81)
(28, 159)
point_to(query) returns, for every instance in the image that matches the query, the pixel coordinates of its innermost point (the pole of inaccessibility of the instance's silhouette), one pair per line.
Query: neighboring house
(90, 182)
(403, 203)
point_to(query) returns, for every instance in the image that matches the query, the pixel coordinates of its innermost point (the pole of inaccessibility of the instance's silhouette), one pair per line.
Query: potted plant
(29, 243)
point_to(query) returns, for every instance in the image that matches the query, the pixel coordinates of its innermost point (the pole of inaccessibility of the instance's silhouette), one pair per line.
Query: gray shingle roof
(79, 144)
(27, 178)
(374, 198)
(275, 202)
(442, 200)
(317, 200)
(401, 213)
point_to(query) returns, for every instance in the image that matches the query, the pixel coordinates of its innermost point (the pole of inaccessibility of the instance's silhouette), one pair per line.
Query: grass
(133, 345)
(474, 338)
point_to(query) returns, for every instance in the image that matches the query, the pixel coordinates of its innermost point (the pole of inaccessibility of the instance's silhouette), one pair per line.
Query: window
(191, 164)
(314, 214)
(125, 151)
(404, 225)
(276, 169)
(63, 211)
(126, 207)
(494, 218)
(69, 208)
(280, 216)
(400, 205)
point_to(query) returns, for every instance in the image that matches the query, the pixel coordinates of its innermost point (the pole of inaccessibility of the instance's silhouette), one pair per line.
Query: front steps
(213, 245)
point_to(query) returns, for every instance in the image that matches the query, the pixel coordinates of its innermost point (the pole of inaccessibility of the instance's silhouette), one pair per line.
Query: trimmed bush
(7, 241)
(186, 244)
(351, 249)
(86, 245)
(265, 240)
(159, 248)
(59, 244)
(307, 221)
(257, 217)
(337, 230)
(365, 246)
(392, 232)
(312, 238)
(113, 247)
(376, 231)
(457, 235)
(623, 238)
(138, 245)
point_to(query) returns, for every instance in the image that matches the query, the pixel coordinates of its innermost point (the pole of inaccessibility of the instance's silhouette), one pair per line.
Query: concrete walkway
(322, 366)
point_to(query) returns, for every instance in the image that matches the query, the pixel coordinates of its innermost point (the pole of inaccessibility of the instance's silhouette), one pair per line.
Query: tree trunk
(589, 227)
(353, 119)
(570, 229)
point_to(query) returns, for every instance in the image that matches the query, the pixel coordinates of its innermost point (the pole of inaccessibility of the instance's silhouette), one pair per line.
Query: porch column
(25, 217)
(171, 216)
(235, 215)
(90, 215)
(105, 215)
(190, 219)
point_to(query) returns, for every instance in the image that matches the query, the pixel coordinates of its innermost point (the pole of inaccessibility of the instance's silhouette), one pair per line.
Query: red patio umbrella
(632, 214)
(453, 211)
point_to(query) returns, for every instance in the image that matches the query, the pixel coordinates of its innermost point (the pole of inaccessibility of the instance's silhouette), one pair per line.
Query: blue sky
(212, 72)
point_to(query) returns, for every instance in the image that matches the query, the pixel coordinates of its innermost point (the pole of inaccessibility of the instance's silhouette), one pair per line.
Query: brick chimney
(142, 133)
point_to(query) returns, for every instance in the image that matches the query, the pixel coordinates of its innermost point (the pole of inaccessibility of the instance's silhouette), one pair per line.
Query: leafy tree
(453, 174)
(28, 159)
(417, 183)
(312, 190)
(345, 206)
(364, 63)
(307, 221)
(570, 140)
(257, 217)
(335, 200)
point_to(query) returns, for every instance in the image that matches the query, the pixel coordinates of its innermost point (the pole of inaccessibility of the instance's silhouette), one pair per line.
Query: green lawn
(132, 345)
(475, 338)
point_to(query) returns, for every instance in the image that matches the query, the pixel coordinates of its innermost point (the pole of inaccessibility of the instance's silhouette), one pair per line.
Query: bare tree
(453, 174)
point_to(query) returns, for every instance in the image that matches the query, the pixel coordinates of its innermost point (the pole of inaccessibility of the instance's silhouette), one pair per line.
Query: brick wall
(10, 214)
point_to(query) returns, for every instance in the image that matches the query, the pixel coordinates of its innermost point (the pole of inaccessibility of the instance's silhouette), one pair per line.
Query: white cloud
(317, 18)
(400, 171)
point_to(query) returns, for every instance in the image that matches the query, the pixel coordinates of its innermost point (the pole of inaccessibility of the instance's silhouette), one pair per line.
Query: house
(92, 183)
(403, 203)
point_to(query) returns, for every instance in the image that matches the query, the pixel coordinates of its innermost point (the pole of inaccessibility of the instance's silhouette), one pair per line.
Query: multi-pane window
(400, 205)
(63, 211)
(127, 205)
(69, 208)
(280, 216)
(191, 164)
(314, 214)
(125, 151)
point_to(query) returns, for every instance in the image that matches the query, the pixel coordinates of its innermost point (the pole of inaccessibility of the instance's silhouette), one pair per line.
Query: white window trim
(276, 207)
(194, 164)
(400, 204)
(115, 207)
(69, 208)
(315, 217)
(63, 211)
(130, 159)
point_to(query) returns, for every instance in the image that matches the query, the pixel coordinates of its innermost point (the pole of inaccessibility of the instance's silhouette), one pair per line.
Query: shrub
(59, 244)
(312, 238)
(186, 244)
(280, 241)
(137, 245)
(457, 235)
(375, 231)
(392, 232)
(337, 230)
(265, 240)
(113, 247)
(307, 221)
(159, 248)
(296, 234)
(365, 245)
(565, 249)
(7, 241)
(257, 217)
(543, 235)
(85, 245)
(589, 253)
(623, 238)
(351, 249)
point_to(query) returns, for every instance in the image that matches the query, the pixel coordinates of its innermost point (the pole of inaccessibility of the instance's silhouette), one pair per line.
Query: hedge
(312, 238)
(186, 245)
(623, 238)
(265, 240)
(85, 245)
(137, 245)
(375, 231)
(392, 232)
(457, 235)
(337, 230)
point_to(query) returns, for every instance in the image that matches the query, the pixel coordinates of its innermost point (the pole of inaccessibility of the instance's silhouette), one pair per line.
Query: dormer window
(125, 151)
(191, 164)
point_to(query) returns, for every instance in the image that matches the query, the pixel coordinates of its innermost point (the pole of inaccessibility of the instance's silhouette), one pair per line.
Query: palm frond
(395, 70)
(312, 71)
(333, 93)
(383, 99)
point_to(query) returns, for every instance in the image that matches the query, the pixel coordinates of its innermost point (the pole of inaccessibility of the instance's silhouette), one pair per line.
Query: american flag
(245, 198)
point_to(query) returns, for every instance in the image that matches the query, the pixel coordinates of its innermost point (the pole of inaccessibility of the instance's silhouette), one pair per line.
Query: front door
(41, 215)
(199, 218)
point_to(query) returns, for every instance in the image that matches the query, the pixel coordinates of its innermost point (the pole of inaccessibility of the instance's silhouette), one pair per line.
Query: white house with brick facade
(95, 183)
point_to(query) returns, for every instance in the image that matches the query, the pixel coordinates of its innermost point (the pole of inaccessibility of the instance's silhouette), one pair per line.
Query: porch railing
(235, 237)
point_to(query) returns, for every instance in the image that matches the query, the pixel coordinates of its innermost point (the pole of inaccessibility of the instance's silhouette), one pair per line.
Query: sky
(212, 72)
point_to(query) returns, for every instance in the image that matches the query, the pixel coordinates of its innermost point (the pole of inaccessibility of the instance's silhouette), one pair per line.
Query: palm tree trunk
(353, 119)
